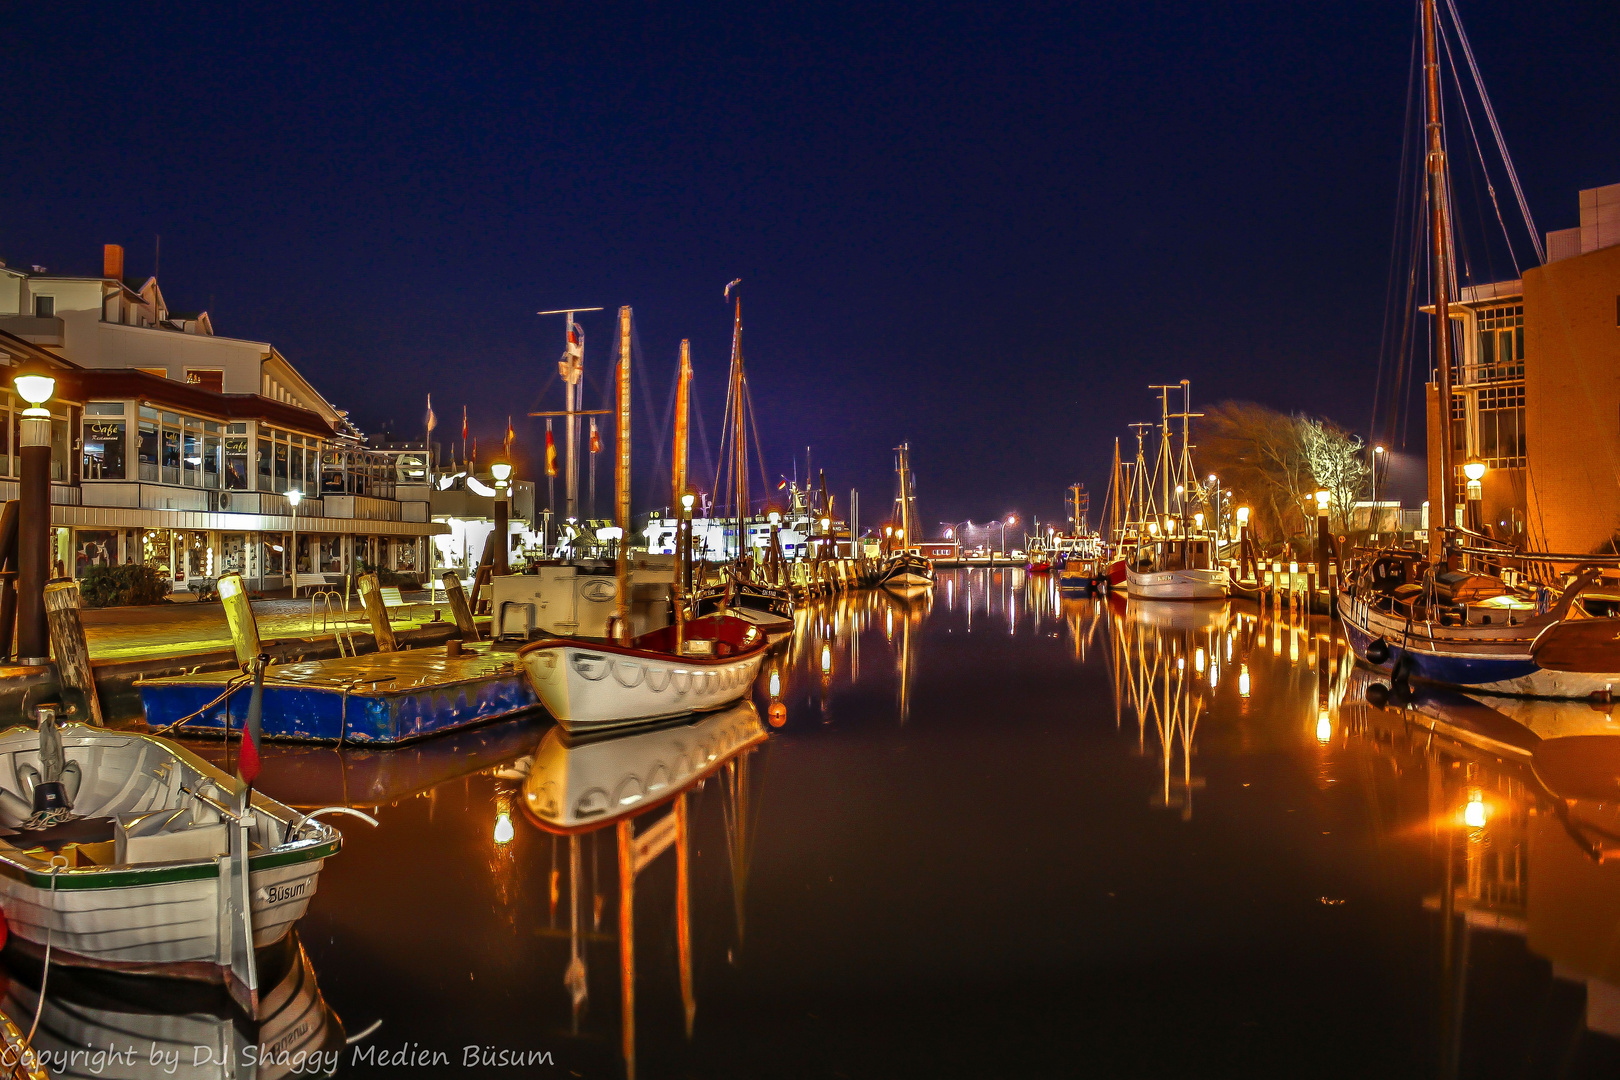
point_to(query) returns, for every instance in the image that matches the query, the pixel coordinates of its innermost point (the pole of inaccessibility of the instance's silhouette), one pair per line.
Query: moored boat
(907, 570)
(124, 851)
(599, 685)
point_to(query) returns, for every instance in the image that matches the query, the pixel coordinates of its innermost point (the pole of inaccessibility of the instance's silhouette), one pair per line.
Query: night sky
(984, 229)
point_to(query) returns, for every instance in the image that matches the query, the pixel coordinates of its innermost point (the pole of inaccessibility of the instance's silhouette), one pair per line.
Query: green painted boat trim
(127, 877)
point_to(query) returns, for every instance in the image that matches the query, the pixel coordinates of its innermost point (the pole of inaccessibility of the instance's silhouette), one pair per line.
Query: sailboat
(907, 567)
(688, 666)
(1432, 618)
(1178, 560)
(745, 593)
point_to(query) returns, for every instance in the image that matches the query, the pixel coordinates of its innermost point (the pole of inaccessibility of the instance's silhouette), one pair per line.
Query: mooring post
(459, 607)
(69, 644)
(371, 596)
(233, 597)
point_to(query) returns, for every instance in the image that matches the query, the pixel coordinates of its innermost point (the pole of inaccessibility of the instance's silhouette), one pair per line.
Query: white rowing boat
(596, 685)
(123, 851)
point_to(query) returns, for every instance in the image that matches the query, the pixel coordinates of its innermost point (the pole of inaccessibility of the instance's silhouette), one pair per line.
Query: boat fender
(1401, 674)
(1378, 652)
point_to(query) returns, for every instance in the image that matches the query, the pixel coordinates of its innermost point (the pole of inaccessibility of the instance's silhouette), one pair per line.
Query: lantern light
(35, 384)
(1198, 520)
(503, 828)
(1474, 470)
(688, 499)
(825, 524)
(1324, 726)
(1243, 515)
(1322, 498)
(295, 497)
(774, 517)
(501, 471)
(1474, 814)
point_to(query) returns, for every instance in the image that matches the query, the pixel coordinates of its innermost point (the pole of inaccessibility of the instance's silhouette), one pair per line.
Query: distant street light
(294, 496)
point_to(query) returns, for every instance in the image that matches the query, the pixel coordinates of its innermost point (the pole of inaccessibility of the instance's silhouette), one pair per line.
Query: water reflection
(578, 786)
(97, 1024)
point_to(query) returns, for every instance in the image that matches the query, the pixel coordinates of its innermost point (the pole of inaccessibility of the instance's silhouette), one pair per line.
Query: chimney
(112, 262)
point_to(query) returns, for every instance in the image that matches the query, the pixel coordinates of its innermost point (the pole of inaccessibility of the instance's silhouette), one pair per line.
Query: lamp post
(1475, 471)
(1377, 452)
(34, 384)
(501, 470)
(294, 496)
(771, 557)
(1012, 519)
(1243, 539)
(683, 543)
(1322, 498)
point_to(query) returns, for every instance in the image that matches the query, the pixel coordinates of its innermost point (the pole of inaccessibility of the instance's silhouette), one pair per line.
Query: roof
(87, 384)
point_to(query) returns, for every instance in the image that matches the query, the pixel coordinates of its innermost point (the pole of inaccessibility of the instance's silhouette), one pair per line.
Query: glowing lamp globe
(295, 497)
(1474, 470)
(501, 471)
(1322, 498)
(35, 386)
(774, 517)
(688, 499)
(1243, 515)
(825, 523)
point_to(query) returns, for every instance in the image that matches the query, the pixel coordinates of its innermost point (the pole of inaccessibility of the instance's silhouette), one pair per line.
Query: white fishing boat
(597, 685)
(125, 852)
(1176, 558)
(689, 666)
(1178, 584)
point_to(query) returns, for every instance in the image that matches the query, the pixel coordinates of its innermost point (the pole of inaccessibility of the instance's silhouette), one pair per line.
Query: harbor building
(178, 448)
(1536, 389)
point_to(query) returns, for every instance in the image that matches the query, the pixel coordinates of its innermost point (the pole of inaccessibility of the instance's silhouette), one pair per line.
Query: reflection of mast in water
(589, 785)
(1161, 651)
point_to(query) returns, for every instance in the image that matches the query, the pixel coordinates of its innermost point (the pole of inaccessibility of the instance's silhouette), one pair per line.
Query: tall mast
(1141, 478)
(1441, 500)
(621, 482)
(739, 436)
(682, 411)
(572, 370)
(1114, 481)
(1165, 464)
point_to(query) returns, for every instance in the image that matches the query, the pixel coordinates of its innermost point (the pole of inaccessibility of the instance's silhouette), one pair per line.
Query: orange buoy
(778, 718)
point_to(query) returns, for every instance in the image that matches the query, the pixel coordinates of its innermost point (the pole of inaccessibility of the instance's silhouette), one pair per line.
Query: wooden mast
(683, 389)
(1116, 483)
(739, 436)
(621, 482)
(1441, 493)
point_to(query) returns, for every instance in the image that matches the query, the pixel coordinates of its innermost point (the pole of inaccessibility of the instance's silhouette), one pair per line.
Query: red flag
(782, 485)
(551, 454)
(510, 434)
(596, 440)
(247, 757)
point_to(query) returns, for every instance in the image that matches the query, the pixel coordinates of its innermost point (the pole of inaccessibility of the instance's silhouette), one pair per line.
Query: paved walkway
(127, 632)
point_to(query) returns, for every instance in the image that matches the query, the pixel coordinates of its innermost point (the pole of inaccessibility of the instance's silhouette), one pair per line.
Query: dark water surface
(997, 834)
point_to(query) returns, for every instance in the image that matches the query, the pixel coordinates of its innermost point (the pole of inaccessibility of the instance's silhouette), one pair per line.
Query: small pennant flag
(247, 758)
(782, 485)
(432, 421)
(464, 423)
(551, 452)
(596, 439)
(510, 434)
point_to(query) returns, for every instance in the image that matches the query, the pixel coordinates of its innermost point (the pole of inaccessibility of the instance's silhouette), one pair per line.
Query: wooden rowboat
(134, 859)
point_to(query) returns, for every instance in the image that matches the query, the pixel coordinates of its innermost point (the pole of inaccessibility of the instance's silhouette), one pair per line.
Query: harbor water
(994, 832)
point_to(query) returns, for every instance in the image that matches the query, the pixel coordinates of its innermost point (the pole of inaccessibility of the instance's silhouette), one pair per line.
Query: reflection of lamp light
(776, 684)
(1324, 726)
(826, 659)
(503, 828)
(1198, 660)
(1243, 515)
(1474, 814)
(1243, 681)
(1474, 470)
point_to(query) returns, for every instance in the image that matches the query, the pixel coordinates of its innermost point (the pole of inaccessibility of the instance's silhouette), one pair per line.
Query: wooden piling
(69, 644)
(233, 597)
(459, 607)
(371, 596)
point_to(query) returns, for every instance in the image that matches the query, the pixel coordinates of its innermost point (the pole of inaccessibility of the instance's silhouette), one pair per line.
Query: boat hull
(592, 687)
(378, 699)
(1178, 584)
(1489, 661)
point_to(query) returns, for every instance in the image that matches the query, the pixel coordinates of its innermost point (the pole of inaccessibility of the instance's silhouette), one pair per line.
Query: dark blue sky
(985, 229)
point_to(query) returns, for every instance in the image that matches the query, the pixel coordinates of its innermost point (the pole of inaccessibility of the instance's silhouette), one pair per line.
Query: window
(1459, 424)
(1501, 343)
(104, 408)
(264, 455)
(281, 466)
(211, 379)
(211, 453)
(44, 307)
(236, 462)
(191, 459)
(103, 457)
(147, 450)
(1501, 426)
(171, 448)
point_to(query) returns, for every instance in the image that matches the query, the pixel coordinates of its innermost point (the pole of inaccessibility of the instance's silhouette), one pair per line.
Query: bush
(115, 586)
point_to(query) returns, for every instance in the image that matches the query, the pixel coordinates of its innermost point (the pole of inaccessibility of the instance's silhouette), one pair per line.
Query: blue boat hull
(322, 714)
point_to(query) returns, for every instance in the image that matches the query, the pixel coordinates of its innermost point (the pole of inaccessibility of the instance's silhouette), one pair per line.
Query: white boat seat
(167, 836)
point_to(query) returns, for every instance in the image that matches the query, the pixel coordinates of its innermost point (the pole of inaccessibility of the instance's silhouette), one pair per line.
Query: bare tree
(1338, 464)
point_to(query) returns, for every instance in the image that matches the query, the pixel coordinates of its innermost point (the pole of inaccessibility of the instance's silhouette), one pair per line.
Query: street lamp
(1474, 469)
(1242, 538)
(1377, 452)
(683, 544)
(35, 383)
(294, 496)
(501, 470)
(1322, 497)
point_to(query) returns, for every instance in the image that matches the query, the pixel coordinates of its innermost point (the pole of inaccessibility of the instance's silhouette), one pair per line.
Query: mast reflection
(578, 787)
